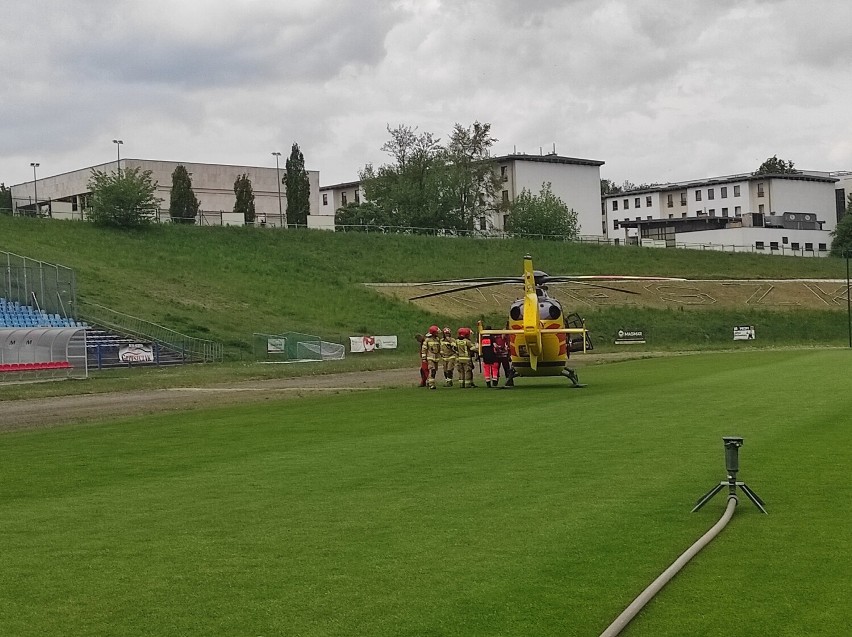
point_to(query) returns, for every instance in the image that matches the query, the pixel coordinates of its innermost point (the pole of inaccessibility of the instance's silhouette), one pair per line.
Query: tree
(183, 204)
(773, 165)
(472, 183)
(363, 214)
(5, 199)
(244, 202)
(544, 214)
(298, 188)
(433, 186)
(407, 190)
(123, 199)
(841, 244)
(609, 187)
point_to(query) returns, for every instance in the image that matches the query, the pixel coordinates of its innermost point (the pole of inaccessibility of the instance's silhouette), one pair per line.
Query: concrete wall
(578, 186)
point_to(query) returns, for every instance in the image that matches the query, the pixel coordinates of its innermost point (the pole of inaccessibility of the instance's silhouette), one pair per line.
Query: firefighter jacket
(466, 349)
(431, 348)
(448, 348)
(486, 349)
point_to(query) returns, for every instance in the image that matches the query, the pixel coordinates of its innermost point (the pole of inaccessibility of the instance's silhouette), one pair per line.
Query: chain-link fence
(45, 286)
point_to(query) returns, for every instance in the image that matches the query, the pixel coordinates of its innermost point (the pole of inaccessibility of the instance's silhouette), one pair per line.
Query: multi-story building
(791, 213)
(575, 181)
(63, 196)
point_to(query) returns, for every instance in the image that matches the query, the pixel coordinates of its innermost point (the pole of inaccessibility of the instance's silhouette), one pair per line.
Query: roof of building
(727, 179)
(345, 184)
(549, 159)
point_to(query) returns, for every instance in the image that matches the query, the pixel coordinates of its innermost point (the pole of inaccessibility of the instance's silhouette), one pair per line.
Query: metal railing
(192, 349)
(46, 286)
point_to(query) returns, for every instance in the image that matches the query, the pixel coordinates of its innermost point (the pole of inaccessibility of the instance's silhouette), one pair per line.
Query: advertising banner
(136, 353)
(630, 337)
(276, 345)
(358, 344)
(744, 333)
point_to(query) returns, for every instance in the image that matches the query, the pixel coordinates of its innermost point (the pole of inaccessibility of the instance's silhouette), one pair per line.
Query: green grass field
(538, 511)
(224, 284)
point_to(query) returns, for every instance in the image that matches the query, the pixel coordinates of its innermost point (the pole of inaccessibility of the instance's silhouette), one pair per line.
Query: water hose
(645, 596)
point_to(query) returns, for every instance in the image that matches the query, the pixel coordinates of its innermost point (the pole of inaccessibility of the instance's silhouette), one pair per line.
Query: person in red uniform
(424, 365)
(490, 363)
(501, 349)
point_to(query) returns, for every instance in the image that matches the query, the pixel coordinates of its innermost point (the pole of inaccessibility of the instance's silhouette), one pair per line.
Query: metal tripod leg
(709, 496)
(752, 496)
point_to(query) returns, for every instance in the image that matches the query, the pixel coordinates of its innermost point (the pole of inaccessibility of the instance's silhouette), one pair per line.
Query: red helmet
(434, 330)
(464, 332)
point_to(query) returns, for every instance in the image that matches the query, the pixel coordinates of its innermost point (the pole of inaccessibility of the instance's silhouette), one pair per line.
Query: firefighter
(449, 356)
(466, 351)
(424, 365)
(430, 352)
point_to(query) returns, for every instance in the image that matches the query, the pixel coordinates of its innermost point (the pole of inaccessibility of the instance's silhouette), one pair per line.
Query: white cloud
(661, 91)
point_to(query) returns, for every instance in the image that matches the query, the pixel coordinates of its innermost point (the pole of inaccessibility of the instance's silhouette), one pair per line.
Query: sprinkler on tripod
(732, 465)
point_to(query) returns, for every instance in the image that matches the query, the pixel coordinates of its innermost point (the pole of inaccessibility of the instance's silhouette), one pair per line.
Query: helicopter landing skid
(578, 386)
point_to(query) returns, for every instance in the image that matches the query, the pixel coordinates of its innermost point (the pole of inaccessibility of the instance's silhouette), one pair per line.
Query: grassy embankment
(450, 513)
(226, 283)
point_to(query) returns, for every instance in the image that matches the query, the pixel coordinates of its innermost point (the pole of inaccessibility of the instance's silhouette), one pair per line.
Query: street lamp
(35, 165)
(278, 181)
(118, 144)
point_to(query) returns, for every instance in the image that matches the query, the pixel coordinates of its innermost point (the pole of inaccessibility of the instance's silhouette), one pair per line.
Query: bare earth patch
(90, 408)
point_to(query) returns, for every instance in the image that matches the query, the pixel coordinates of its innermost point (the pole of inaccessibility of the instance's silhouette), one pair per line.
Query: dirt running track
(91, 408)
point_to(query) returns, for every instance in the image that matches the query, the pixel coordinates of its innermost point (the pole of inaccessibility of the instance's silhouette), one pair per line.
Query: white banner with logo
(744, 333)
(136, 353)
(629, 337)
(358, 344)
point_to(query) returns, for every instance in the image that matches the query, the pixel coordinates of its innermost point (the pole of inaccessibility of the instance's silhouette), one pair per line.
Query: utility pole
(278, 181)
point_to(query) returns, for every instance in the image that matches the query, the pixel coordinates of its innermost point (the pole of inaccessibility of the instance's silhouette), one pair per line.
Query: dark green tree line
(244, 197)
(124, 199)
(298, 188)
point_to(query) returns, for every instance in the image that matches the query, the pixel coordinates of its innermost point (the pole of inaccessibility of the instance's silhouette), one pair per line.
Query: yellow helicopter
(541, 337)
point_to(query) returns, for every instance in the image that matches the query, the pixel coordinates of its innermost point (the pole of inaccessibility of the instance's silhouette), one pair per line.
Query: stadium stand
(13, 314)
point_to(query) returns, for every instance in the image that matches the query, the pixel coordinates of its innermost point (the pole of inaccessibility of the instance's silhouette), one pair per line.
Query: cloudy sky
(661, 90)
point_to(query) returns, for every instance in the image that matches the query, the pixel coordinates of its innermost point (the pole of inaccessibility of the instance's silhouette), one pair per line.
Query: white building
(63, 196)
(781, 213)
(575, 181)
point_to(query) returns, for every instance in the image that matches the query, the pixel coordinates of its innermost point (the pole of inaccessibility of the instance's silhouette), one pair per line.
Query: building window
(683, 199)
(649, 217)
(697, 195)
(648, 201)
(343, 198)
(784, 240)
(760, 192)
(712, 212)
(670, 201)
(700, 213)
(736, 191)
(760, 208)
(671, 216)
(738, 211)
(822, 247)
(809, 247)
(325, 199)
(357, 196)
(603, 229)
(504, 173)
(615, 224)
(711, 194)
(724, 192)
(636, 203)
(506, 197)
(758, 245)
(724, 212)
(795, 246)
(614, 205)
(638, 218)
(773, 245)
(626, 204)
(683, 214)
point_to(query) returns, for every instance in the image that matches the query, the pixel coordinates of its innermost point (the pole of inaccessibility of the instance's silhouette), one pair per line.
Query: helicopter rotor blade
(462, 288)
(603, 287)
